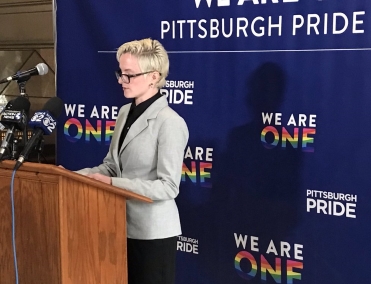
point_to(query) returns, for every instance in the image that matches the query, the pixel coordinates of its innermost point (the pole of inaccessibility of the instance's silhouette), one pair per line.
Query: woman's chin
(127, 95)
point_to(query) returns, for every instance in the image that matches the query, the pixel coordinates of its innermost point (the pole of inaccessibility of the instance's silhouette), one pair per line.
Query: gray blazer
(148, 163)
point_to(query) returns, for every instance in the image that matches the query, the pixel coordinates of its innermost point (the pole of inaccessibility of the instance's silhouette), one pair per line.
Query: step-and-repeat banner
(276, 183)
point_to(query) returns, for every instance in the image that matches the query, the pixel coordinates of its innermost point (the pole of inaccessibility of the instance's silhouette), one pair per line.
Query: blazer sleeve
(108, 166)
(172, 140)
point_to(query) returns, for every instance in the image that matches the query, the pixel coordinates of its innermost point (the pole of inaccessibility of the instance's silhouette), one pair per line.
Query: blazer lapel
(118, 129)
(142, 122)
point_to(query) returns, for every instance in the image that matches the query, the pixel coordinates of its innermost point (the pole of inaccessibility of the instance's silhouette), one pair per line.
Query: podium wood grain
(69, 229)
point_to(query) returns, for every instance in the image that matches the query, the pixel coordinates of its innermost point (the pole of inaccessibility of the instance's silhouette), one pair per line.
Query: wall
(26, 39)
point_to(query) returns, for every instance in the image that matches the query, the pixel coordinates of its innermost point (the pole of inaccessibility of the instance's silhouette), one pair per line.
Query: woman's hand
(100, 177)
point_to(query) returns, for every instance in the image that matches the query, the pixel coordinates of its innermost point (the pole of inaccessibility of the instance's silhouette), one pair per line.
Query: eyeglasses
(126, 77)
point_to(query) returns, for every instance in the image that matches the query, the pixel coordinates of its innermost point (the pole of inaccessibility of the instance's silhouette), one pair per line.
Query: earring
(151, 85)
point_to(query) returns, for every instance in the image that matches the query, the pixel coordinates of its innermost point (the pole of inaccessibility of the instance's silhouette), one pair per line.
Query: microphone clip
(22, 84)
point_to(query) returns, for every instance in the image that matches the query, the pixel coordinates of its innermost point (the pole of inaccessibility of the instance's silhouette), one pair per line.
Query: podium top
(37, 168)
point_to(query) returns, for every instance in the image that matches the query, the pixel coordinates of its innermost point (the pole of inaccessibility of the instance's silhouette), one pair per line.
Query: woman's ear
(156, 76)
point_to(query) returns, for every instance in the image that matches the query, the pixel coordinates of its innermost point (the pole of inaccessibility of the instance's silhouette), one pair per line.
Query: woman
(146, 156)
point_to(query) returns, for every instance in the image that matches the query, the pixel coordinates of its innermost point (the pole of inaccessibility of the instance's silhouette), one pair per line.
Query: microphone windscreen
(54, 106)
(42, 68)
(19, 103)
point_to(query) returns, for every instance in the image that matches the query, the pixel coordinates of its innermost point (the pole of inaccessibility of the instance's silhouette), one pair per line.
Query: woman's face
(139, 87)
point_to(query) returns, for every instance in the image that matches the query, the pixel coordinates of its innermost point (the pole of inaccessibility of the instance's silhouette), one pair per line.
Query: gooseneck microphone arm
(37, 135)
(7, 140)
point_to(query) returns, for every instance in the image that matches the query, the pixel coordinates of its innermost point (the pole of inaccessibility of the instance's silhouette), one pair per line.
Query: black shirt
(134, 112)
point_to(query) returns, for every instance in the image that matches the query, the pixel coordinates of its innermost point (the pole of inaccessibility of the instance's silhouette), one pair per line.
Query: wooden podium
(69, 228)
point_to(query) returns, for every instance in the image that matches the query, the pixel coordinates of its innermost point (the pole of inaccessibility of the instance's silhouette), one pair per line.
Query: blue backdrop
(276, 95)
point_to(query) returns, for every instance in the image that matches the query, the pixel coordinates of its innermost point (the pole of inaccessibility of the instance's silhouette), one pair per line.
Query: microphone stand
(39, 149)
(22, 91)
(14, 149)
(22, 85)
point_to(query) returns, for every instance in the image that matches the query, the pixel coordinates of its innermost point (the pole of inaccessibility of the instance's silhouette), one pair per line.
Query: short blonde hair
(151, 56)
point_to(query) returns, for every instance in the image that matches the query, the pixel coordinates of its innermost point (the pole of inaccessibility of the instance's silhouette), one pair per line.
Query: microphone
(43, 122)
(39, 69)
(14, 116)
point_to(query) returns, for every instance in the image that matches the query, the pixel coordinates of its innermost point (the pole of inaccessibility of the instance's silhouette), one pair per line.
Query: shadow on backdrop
(255, 190)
